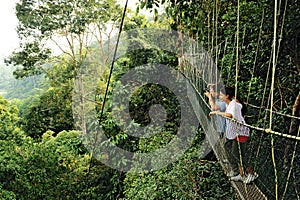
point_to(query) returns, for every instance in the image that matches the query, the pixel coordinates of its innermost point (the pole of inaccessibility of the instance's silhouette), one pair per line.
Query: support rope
(291, 167)
(242, 170)
(108, 83)
(278, 113)
(272, 98)
(256, 54)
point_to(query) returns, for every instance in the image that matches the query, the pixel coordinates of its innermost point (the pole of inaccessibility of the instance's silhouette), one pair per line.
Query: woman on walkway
(212, 93)
(236, 136)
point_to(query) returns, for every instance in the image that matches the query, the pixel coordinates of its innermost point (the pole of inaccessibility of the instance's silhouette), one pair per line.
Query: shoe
(237, 178)
(251, 177)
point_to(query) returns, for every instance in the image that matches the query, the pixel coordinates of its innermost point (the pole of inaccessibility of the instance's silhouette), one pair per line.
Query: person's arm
(211, 101)
(224, 114)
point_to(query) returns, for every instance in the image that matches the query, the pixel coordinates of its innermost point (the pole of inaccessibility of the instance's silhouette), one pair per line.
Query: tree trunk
(294, 126)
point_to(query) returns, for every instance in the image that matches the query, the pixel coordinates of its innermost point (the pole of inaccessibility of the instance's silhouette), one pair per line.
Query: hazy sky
(8, 22)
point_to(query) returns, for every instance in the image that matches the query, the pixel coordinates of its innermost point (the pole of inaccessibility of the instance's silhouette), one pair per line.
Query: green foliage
(214, 24)
(189, 178)
(55, 168)
(12, 88)
(51, 110)
(137, 21)
(8, 122)
(7, 195)
(246, 28)
(149, 95)
(45, 20)
(28, 58)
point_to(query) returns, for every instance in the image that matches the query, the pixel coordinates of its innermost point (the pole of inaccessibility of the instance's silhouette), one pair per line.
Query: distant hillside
(11, 88)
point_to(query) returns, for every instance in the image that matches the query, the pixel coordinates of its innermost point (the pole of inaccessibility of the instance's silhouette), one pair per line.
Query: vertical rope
(212, 44)
(261, 107)
(237, 47)
(224, 51)
(256, 53)
(250, 84)
(232, 58)
(216, 26)
(281, 31)
(279, 42)
(242, 44)
(242, 171)
(107, 86)
(272, 97)
(208, 33)
(213, 29)
(292, 164)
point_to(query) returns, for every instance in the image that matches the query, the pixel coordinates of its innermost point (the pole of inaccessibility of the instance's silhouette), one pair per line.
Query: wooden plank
(244, 191)
(248, 191)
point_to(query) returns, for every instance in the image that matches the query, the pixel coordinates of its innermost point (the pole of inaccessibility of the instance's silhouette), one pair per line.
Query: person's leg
(251, 175)
(236, 158)
(242, 158)
(237, 155)
(246, 164)
(229, 149)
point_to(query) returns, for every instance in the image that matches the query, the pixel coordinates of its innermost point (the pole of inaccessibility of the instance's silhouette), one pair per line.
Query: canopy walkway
(244, 191)
(272, 153)
(272, 150)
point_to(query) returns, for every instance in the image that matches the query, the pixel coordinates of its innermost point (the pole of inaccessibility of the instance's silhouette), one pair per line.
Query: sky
(8, 23)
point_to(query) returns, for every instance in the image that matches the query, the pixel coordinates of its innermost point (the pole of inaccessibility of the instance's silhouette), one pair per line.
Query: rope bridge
(272, 151)
(273, 154)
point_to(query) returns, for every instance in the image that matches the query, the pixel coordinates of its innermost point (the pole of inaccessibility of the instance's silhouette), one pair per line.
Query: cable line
(108, 83)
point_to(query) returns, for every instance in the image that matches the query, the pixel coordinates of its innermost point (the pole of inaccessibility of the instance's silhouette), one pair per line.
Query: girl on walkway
(236, 136)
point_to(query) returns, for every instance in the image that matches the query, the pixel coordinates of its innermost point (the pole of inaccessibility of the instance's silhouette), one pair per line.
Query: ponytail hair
(244, 107)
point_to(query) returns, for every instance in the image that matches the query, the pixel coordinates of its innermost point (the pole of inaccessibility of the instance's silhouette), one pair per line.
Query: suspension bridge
(273, 153)
(273, 149)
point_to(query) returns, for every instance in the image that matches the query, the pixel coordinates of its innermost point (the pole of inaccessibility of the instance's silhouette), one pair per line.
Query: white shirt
(234, 129)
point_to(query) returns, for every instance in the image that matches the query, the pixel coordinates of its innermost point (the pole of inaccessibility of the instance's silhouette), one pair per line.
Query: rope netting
(273, 152)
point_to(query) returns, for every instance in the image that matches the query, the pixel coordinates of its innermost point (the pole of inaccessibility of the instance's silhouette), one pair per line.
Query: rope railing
(273, 145)
(285, 157)
(262, 163)
(264, 130)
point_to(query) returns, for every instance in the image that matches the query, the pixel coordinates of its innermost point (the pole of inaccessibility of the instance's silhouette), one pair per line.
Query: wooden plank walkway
(244, 191)
(248, 191)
